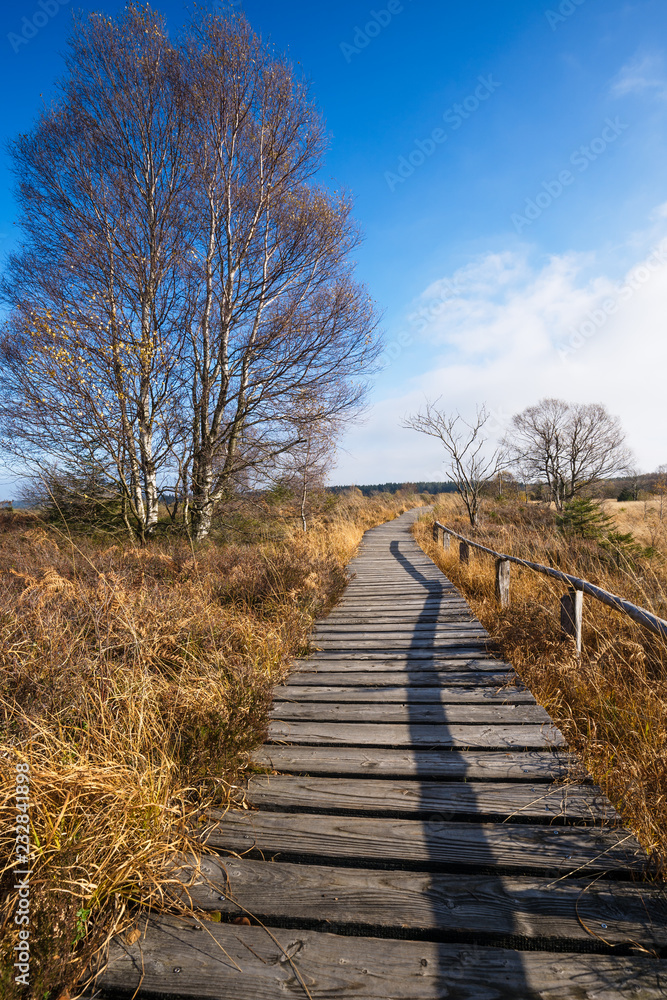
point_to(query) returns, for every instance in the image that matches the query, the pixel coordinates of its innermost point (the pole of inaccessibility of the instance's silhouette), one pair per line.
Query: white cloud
(644, 73)
(507, 332)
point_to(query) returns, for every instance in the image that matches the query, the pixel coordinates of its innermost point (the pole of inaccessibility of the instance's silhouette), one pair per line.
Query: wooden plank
(522, 800)
(372, 693)
(405, 903)
(396, 642)
(417, 655)
(536, 765)
(399, 619)
(561, 851)
(415, 628)
(415, 679)
(417, 604)
(411, 714)
(195, 960)
(395, 735)
(417, 666)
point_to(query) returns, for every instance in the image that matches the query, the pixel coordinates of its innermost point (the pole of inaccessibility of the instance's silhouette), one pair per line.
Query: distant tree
(471, 463)
(660, 486)
(304, 468)
(585, 518)
(570, 446)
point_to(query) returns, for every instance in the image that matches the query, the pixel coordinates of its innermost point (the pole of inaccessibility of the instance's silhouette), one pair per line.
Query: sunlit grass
(136, 683)
(611, 704)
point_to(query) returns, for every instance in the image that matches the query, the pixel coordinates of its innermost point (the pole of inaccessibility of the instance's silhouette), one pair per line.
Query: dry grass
(612, 704)
(136, 683)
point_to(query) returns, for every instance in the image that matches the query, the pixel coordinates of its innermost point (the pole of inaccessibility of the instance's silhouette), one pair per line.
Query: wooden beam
(404, 903)
(571, 616)
(503, 582)
(422, 765)
(200, 960)
(380, 734)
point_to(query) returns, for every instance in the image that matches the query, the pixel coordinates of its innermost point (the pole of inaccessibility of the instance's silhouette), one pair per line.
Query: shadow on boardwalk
(435, 828)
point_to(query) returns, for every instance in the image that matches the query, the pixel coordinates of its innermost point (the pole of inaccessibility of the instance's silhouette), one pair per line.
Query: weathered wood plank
(488, 765)
(354, 643)
(524, 847)
(395, 735)
(415, 625)
(411, 714)
(421, 678)
(181, 957)
(399, 619)
(372, 693)
(517, 801)
(404, 903)
(417, 655)
(417, 603)
(414, 666)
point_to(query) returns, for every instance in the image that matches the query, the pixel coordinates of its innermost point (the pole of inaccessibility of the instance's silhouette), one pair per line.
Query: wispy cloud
(507, 329)
(643, 74)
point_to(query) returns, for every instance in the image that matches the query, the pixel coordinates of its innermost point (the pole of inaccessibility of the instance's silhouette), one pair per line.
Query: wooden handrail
(639, 615)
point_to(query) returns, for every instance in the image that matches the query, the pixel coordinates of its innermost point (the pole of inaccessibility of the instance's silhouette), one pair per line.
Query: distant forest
(395, 487)
(633, 487)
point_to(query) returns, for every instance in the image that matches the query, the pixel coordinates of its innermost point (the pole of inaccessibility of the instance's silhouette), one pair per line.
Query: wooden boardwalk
(424, 833)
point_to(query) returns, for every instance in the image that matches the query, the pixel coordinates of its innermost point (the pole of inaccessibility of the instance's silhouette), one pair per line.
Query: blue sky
(508, 163)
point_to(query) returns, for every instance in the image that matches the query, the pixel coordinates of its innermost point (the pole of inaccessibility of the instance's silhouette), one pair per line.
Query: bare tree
(660, 486)
(569, 446)
(471, 464)
(278, 316)
(306, 466)
(91, 356)
(183, 281)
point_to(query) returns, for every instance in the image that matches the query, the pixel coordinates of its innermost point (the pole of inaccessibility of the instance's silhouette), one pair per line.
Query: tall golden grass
(611, 704)
(135, 684)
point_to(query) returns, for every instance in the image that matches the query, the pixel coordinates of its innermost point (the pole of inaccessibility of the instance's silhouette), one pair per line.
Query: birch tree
(91, 357)
(183, 281)
(279, 314)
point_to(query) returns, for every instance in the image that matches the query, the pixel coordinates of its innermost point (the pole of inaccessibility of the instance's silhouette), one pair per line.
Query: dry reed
(611, 704)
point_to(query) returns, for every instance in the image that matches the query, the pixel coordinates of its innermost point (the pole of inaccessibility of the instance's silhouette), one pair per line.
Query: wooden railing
(571, 608)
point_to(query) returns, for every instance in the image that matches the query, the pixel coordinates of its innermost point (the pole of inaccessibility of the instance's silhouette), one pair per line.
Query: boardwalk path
(425, 835)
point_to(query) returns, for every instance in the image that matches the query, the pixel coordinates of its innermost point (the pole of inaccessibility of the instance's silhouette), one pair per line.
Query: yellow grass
(135, 684)
(612, 704)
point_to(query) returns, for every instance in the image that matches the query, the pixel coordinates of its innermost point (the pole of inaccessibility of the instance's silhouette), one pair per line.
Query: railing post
(571, 616)
(503, 582)
(446, 539)
(464, 552)
(436, 532)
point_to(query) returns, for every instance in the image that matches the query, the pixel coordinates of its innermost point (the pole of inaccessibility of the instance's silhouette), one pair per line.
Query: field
(612, 703)
(135, 685)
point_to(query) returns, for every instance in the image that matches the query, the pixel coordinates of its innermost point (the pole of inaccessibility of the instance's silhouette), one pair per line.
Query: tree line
(183, 314)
